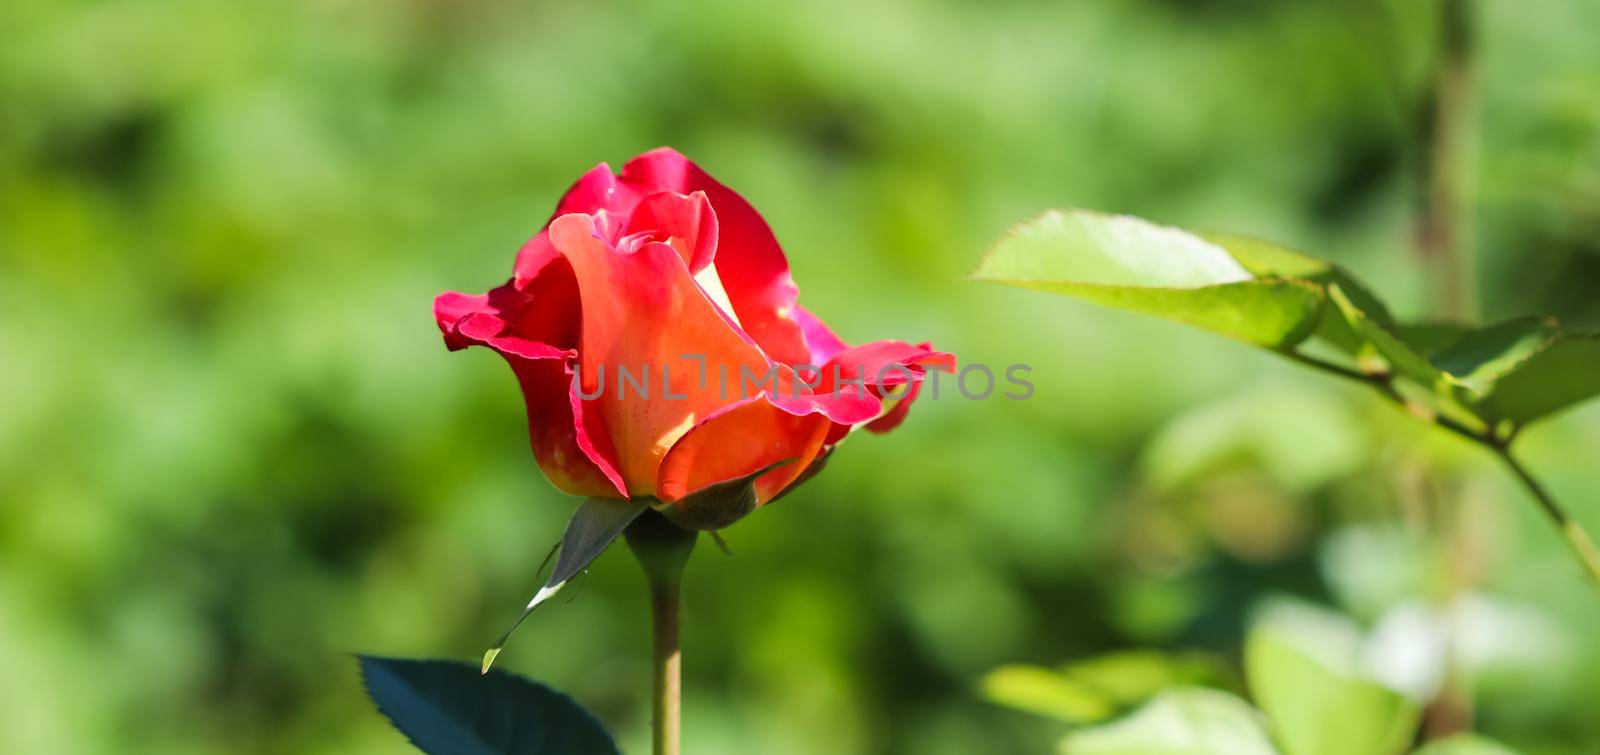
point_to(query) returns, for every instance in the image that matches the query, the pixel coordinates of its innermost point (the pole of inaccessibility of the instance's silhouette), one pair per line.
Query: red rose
(653, 327)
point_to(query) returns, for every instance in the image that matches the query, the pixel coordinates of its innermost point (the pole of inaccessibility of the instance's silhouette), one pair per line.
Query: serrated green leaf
(1109, 250)
(1380, 342)
(447, 707)
(1465, 744)
(1316, 709)
(1179, 722)
(1265, 259)
(1564, 373)
(1505, 375)
(1481, 356)
(1127, 263)
(1430, 338)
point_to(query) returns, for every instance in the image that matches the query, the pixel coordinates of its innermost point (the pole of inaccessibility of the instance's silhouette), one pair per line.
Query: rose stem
(663, 549)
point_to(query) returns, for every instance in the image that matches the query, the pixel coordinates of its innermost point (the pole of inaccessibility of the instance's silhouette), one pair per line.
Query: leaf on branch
(1503, 376)
(1481, 357)
(448, 707)
(1264, 259)
(1127, 263)
(1380, 342)
(1564, 373)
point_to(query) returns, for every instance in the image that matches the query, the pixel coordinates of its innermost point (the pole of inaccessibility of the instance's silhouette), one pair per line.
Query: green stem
(1384, 385)
(1328, 367)
(663, 550)
(1577, 537)
(667, 662)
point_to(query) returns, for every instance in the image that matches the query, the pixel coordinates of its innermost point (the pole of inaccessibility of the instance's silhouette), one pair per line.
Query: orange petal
(646, 322)
(739, 441)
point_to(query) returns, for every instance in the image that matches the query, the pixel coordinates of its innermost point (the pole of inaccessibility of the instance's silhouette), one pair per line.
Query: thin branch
(1383, 383)
(1578, 538)
(1329, 367)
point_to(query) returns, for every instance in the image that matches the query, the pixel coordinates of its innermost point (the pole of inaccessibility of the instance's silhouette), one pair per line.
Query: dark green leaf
(449, 708)
(1379, 342)
(1430, 338)
(1478, 358)
(1564, 373)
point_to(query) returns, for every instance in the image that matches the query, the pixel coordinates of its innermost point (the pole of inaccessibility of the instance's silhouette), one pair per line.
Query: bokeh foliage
(233, 450)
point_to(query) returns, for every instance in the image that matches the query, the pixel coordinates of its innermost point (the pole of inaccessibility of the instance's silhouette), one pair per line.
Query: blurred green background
(233, 449)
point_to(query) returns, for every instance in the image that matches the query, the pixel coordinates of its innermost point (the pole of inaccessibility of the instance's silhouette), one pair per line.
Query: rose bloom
(654, 329)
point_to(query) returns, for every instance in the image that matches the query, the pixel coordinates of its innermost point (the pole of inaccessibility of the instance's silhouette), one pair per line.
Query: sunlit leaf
(1179, 722)
(1502, 375)
(1127, 263)
(449, 708)
(1264, 259)
(1133, 676)
(1318, 709)
(1046, 692)
(1094, 689)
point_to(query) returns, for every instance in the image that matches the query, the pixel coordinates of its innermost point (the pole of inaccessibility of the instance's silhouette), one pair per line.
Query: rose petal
(821, 341)
(882, 364)
(898, 410)
(542, 372)
(751, 264)
(448, 309)
(642, 312)
(686, 221)
(597, 190)
(739, 440)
